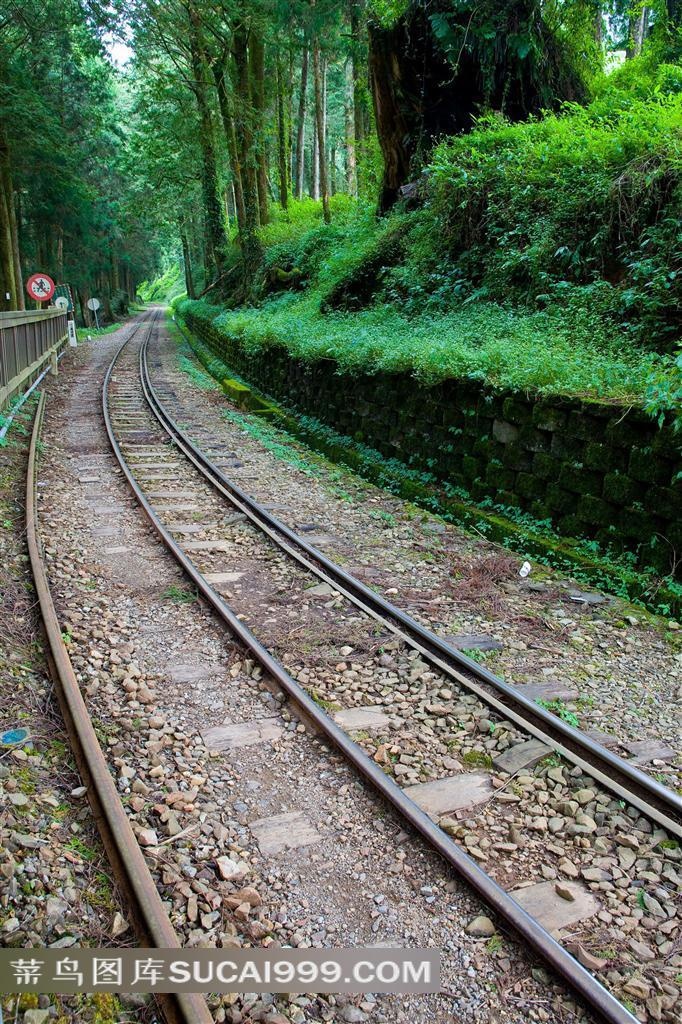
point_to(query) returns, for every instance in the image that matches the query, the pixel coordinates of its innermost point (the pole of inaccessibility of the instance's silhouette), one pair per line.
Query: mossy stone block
(637, 523)
(239, 393)
(619, 489)
(565, 446)
(579, 479)
(666, 443)
(666, 502)
(621, 433)
(516, 411)
(508, 498)
(541, 511)
(483, 447)
(528, 486)
(646, 467)
(545, 466)
(558, 499)
(548, 417)
(500, 478)
(603, 457)
(505, 432)
(516, 457)
(534, 440)
(594, 510)
(470, 467)
(582, 426)
(479, 490)
(571, 526)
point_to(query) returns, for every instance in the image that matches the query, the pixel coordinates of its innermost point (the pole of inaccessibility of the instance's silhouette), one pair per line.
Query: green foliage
(576, 213)
(484, 341)
(179, 595)
(546, 256)
(387, 12)
(322, 253)
(165, 288)
(558, 708)
(663, 394)
(303, 215)
(64, 129)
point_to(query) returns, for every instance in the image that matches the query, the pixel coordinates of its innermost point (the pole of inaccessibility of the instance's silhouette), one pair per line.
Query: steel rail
(626, 781)
(152, 924)
(599, 999)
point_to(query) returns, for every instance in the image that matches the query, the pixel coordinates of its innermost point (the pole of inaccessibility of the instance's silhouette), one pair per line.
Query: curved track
(654, 800)
(625, 780)
(152, 924)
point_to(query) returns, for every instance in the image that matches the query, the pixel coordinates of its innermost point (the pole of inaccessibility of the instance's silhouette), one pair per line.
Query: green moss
(476, 759)
(326, 705)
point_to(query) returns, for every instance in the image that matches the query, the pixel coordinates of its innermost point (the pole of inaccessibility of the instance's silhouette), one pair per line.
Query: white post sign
(94, 305)
(63, 303)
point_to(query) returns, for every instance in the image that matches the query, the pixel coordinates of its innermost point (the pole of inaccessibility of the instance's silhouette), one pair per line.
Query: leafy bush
(544, 256)
(303, 215)
(164, 288)
(322, 252)
(484, 341)
(534, 211)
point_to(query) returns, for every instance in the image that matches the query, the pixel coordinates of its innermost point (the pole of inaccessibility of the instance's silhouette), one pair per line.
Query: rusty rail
(606, 1007)
(152, 924)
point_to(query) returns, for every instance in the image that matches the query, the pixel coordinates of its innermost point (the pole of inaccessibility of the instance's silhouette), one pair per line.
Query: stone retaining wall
(595, 470)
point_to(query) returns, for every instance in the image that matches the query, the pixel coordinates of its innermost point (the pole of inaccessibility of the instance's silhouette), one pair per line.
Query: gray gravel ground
(55, 884)
(159, 673)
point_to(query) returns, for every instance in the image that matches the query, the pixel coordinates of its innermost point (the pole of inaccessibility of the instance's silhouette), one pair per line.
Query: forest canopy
(515, 161)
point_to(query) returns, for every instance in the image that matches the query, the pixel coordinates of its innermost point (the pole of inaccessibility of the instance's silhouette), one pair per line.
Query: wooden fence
(28, 341)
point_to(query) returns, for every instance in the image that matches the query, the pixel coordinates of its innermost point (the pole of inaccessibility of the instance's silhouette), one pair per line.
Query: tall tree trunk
(9, 285)
(314, 162)
(282, 135)
(322, 149)
(115, 269)
(86, 315)
(319, 121)
(187, 263)
(641, 30)
(216, 237)
(300, 127)
(257, 62)
(227, 118)
(332, 171)
(360, 97)
(349, 126)
(14, 234)
(419, 95)
(252, 251)
(8, 289)
(291, 124)
(16, 223)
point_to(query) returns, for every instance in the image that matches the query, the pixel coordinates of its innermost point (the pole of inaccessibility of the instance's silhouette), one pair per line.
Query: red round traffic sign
(40, 287)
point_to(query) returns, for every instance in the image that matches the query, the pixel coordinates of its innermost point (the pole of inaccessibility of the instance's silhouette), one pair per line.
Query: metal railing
(28, 339)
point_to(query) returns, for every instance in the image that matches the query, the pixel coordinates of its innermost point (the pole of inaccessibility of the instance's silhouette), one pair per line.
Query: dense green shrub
(544, 256)
(164, 288)
(579, 209)
(483, 341)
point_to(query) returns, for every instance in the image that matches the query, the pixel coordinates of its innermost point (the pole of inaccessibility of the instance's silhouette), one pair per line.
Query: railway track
(147, 441)
(152, 925)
